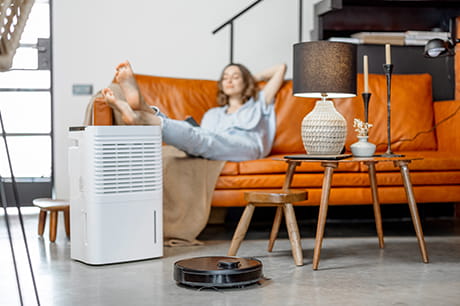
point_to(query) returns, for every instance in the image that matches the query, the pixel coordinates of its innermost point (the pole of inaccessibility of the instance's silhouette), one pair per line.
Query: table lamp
(324, 69)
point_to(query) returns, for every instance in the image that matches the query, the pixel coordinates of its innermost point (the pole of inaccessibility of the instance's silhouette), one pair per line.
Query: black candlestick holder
(388, 69)
(366, 98)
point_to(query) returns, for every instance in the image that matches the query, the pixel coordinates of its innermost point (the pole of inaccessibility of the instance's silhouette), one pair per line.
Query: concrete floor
(352, 271)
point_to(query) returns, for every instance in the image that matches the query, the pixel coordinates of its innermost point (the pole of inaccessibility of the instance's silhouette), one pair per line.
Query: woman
(243, 128)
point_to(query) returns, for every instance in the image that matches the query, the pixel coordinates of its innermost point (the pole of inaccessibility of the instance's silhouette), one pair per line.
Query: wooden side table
(330, 165)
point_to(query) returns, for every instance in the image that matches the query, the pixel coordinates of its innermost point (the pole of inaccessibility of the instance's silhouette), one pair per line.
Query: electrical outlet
(82, 89)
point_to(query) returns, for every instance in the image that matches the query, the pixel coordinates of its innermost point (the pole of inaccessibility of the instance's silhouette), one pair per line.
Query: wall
(167, 38)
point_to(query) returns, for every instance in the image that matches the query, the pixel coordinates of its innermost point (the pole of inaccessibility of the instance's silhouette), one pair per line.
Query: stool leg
(41, 222)
(294, 236)
(67, 222)
(53, 225)
(241, 230)
(275, 227)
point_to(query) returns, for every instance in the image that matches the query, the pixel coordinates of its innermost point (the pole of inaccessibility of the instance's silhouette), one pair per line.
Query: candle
(366, 74)
(388, 54)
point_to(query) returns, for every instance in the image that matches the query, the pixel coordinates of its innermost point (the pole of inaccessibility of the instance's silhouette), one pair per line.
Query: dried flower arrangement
(361, 127)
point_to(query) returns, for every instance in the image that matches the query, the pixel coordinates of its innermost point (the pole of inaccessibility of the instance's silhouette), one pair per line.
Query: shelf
(344, 17)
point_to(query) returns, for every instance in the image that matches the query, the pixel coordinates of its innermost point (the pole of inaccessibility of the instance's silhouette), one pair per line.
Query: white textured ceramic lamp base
(324, 130)
(363, 148)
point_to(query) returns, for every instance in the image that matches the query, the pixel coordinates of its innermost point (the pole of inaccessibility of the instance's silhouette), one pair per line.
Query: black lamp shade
(324, 68)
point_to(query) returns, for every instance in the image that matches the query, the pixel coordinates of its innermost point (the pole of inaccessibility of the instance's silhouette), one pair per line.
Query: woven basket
(324, 130)
(13, 17)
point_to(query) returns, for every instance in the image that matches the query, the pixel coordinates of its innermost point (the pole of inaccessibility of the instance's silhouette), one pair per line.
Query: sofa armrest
(102, 113)
(447, 115)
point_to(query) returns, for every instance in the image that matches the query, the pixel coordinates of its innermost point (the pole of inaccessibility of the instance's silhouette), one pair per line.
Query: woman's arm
(274, 77)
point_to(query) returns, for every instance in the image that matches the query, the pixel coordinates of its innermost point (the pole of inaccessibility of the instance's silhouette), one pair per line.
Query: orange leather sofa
(435, 179)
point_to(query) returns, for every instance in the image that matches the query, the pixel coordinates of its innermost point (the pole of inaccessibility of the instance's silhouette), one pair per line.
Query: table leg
(375, 201)
(325, 192)
(290, 174)
(413, 207)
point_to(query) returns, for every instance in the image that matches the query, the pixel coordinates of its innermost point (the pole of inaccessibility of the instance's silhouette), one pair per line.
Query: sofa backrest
(411, 113)
(411, 109)
(179, 98)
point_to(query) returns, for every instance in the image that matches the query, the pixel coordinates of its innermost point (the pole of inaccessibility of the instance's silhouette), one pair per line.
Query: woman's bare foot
(128, 115)
(125, 77)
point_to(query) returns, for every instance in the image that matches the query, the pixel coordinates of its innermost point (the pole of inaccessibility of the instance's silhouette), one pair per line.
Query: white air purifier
(116, 190)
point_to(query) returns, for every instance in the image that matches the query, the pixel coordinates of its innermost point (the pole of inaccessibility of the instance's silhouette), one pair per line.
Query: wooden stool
(283, 200)
(53, 206)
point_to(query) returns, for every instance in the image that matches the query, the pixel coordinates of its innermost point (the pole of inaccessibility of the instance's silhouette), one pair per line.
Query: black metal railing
(230, 23)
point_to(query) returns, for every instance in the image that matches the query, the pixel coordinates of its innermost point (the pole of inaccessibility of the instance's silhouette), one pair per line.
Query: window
(26, 104)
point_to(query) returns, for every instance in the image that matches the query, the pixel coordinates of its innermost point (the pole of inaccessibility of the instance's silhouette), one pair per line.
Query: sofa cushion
(275, 164)
(411, 112)
(230, 168)
(300, 180)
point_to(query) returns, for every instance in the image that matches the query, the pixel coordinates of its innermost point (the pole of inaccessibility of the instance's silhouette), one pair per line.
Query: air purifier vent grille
(127, 165)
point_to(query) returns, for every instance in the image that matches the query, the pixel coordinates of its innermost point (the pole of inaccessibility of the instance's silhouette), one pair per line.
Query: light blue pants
(200, 142)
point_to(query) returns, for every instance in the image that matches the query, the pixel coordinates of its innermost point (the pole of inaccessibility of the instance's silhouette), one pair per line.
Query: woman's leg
(200, 142)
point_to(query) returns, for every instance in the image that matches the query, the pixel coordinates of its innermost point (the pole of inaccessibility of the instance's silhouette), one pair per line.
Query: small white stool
(53, 206)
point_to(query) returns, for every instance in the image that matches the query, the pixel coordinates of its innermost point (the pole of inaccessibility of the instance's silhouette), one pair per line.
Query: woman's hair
(249, 90)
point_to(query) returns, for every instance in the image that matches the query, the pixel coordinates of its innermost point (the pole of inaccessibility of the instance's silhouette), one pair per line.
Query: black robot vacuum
(218, 272)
